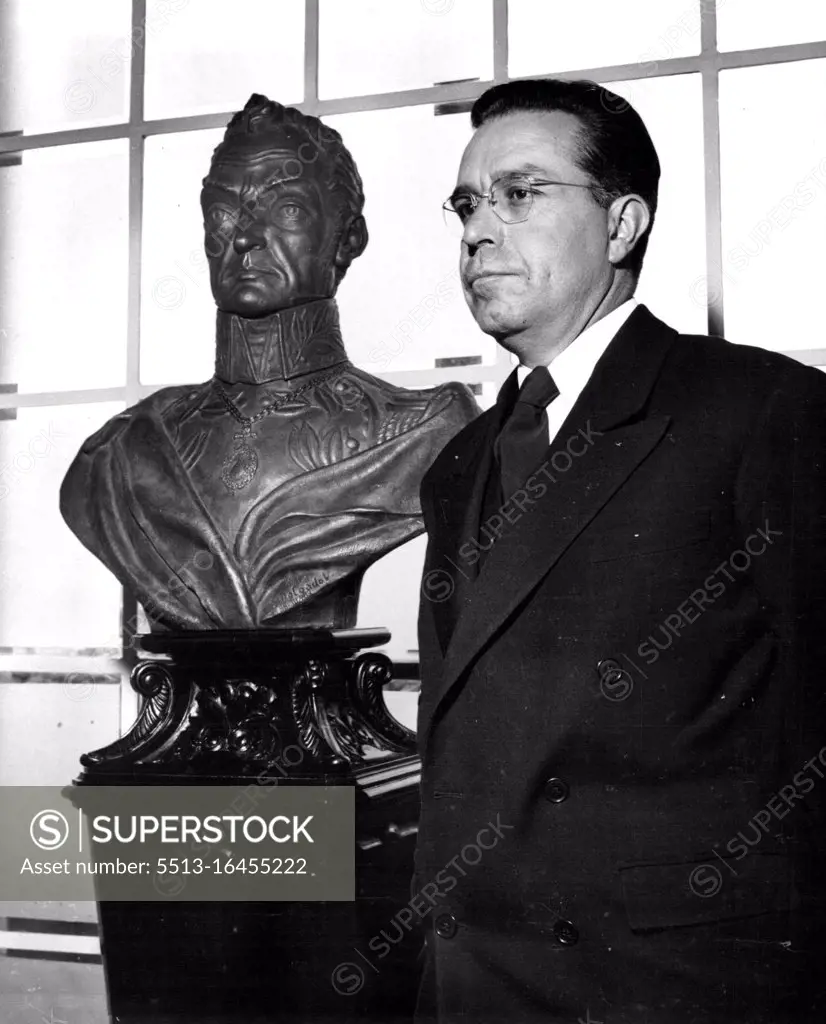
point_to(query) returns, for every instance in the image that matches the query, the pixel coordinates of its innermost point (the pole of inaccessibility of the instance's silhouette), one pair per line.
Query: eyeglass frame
(477, 197)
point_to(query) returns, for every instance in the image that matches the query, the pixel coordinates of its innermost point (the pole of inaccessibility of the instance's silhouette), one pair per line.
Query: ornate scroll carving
(232, 707)
(163, 710)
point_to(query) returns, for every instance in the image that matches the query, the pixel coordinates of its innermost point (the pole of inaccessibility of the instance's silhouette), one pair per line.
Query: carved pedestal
(303, 707)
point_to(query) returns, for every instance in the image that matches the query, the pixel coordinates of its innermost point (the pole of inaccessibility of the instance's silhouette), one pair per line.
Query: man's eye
(518, 195)
(463, 205)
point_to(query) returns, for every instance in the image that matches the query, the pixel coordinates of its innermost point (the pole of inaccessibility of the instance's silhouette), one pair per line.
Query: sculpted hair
(615, 148)
(261, 116)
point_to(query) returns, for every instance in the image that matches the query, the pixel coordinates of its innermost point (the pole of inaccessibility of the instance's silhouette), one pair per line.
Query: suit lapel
(454, 499)
(613, 436)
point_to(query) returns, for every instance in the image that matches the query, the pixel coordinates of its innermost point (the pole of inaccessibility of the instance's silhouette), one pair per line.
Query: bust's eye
(290, 214)
(219, 225)
(216, 214)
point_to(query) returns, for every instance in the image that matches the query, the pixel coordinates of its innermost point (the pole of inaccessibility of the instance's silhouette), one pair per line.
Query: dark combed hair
(264, 116)
(615, 148)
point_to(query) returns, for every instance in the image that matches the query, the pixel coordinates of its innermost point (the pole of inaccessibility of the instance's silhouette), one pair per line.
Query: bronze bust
(260, 497)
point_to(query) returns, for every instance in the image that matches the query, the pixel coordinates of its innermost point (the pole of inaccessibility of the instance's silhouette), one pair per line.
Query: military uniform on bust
(262, 496)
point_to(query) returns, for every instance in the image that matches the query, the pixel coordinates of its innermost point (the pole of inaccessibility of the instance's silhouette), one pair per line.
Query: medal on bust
(241, 465)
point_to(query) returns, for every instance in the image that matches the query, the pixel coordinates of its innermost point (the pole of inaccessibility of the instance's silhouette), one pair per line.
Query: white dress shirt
(572, 368)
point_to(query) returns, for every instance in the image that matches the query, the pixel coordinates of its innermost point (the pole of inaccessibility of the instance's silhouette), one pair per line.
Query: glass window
(53, 592)
(64, 247)
(63, 267)
(410, 44)
(207, 56)
(399, 574)
(177, 309)
(744, 24)
(403, 704)
(47, 755)
(401, 302)
(773, 154)
(65, 67)
(544, 37)
(487, 394)
(672, 283)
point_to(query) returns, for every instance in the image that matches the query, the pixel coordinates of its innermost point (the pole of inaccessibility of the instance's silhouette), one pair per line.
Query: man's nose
(482, 227)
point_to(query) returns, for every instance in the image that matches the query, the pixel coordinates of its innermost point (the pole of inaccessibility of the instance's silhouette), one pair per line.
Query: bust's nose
(249, 236)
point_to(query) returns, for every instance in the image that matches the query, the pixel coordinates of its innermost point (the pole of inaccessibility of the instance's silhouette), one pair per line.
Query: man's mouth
(486, 275)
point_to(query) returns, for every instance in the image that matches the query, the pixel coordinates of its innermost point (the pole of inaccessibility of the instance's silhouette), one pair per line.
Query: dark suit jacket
(624, 736)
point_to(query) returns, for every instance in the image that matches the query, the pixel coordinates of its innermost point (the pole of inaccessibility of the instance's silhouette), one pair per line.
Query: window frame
(708, 63)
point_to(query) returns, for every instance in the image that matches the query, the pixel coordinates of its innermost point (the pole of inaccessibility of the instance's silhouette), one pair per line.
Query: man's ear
(351, 244)
(628, 220)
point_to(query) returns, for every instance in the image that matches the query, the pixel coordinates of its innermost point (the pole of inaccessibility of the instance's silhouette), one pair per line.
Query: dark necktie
(523, 440)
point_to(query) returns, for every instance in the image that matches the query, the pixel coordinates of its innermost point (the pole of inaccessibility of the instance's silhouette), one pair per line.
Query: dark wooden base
(305, 708)
(238, 962)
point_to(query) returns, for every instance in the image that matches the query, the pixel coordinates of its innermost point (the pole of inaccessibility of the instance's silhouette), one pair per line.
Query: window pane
(410, 44)
(65, 67)
(743, 24)
(49, 754)
(403, 705)
(63, 267)
(53, 592)
(398, 574)
(209, 57)
(177, 310)
(487, 397)
(401, 302)
(672, 283)
(774, 203)
(544, 38)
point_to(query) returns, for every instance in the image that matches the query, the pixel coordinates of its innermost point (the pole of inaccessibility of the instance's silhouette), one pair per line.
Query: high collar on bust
(287, 344)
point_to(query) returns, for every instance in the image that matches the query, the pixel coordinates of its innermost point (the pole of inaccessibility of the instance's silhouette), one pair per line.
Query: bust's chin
(250, 302)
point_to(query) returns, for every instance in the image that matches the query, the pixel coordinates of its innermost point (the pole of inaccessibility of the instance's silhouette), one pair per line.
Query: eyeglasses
(511, 199)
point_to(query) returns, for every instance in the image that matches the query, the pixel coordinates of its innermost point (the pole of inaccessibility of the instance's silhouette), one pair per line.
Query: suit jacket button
(446, 926)
(607, 667)
(565, 933)
(556, 791)
(614, 682)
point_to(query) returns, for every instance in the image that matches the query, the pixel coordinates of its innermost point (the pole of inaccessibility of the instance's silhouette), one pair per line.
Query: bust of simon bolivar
(260, 497)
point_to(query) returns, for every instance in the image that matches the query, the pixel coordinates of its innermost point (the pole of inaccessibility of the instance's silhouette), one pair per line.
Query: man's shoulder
(731, 368)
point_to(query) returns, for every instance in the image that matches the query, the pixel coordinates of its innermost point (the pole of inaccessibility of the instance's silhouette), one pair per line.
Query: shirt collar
(572, 368)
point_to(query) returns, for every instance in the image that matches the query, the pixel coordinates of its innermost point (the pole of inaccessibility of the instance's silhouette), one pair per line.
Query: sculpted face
(271, 225)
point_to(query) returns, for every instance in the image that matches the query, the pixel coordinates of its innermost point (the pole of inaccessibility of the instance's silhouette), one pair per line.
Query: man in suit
(622, 723)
